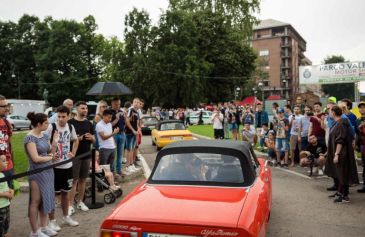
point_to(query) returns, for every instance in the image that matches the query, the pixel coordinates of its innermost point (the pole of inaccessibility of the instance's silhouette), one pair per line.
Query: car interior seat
(230, 174)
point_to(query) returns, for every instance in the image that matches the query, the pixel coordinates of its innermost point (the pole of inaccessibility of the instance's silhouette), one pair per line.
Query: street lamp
(237, 92)
(284, 81)
(13, 77)
(261, 86)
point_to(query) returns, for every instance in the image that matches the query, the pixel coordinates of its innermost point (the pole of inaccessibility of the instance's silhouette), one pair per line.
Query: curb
(145, 167)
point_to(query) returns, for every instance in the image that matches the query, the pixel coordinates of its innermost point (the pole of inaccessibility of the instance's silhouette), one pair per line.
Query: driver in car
(194, 169)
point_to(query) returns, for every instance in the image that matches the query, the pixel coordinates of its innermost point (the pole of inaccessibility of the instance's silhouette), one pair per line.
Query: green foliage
(198, 52)
(340, 92)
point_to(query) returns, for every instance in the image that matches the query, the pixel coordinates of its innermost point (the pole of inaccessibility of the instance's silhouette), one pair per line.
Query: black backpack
(54, 128)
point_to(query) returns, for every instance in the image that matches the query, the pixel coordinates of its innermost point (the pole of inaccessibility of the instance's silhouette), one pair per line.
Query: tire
(13, 126)
(119, 193)
(109, 198)
(87, 193)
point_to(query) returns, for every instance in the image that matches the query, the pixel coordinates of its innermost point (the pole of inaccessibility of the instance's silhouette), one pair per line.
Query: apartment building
(281, 50)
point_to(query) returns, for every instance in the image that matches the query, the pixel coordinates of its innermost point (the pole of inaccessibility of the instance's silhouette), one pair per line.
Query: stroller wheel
(109, 198)
(87, 193)
(119, 192)
(100, 188)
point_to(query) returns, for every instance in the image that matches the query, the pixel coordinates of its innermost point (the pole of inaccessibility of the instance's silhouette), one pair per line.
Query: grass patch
(20, 158)
(204, 130)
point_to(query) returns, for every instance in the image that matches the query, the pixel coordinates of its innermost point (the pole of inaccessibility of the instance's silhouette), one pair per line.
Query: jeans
(120, 143)
(262, 141)
(304, 143)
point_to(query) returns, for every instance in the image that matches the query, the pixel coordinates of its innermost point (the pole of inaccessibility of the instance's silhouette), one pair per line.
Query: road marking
(146, 168)
(293, 172)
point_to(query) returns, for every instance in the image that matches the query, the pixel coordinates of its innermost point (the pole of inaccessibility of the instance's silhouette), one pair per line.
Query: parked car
(169, 131)
(148, 123)
(198, 188)
(194, 117)
(18, 122)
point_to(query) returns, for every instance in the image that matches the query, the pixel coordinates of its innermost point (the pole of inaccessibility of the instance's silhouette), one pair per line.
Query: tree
(346, 90)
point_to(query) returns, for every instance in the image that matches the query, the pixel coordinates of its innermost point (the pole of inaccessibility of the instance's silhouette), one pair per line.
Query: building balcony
(285, 55)
(283, 66)
(285, 45)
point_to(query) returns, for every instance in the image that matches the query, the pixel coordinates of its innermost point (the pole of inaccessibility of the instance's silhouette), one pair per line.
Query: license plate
(164, 235)
(176, 138)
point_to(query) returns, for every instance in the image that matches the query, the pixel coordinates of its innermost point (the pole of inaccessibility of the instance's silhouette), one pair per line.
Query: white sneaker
(39, 233)
(126, 172)
(69, 221)
(82, 206)
(130, 169)
(53, 225)
(71, 210)
(48, 231)
(315, 170)
(135, 168)
(320, 172)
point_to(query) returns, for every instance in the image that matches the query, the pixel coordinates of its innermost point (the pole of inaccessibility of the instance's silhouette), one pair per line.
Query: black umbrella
(109, 88)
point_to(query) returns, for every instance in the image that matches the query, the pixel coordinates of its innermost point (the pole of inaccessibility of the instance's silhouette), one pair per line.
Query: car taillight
(112, 233)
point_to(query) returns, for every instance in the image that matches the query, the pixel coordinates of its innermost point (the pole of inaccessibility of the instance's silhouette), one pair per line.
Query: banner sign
(332, 73)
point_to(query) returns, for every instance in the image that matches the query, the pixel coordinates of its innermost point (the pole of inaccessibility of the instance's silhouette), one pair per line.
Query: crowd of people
(325, 139)
(115, 133)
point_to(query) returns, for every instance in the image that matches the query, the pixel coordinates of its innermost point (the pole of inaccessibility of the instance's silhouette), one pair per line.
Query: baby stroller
(103, 184)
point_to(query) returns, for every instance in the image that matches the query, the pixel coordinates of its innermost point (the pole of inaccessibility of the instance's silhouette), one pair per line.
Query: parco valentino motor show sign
(332, 73)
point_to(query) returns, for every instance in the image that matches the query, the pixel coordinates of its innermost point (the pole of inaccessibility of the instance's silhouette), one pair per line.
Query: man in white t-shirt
(217, 119)
(105, 133)
(295, 132)
(64, 135)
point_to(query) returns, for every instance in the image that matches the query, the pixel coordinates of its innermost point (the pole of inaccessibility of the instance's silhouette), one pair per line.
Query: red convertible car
(205, 188)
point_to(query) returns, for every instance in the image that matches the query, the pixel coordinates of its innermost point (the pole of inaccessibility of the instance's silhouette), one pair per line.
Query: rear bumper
(165, 141)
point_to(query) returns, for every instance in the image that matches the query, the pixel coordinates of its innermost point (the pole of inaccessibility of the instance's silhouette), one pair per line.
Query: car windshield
(172, 126)
(199, 167)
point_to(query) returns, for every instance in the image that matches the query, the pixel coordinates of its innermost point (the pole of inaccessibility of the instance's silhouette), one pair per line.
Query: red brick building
(281, 49)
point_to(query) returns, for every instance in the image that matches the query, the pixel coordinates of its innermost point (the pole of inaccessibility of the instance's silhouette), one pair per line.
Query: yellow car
(169, 131)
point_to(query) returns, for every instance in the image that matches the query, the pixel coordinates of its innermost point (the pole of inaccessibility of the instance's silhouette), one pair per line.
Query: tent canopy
(249, 100)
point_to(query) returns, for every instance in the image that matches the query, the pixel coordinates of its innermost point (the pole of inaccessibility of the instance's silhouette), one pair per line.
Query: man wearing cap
(282, 128)
(360, 140)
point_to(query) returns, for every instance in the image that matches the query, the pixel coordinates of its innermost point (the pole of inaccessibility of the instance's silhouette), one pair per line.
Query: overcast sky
(328, 26)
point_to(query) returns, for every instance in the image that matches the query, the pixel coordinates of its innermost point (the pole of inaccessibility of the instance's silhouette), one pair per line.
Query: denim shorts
(281, 144)
(130, 142)
(233, 126)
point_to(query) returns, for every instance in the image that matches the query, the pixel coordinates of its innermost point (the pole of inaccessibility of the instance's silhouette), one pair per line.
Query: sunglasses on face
(4, 106)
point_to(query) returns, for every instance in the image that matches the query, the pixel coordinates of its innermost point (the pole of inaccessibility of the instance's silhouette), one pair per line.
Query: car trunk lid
(188, 205)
